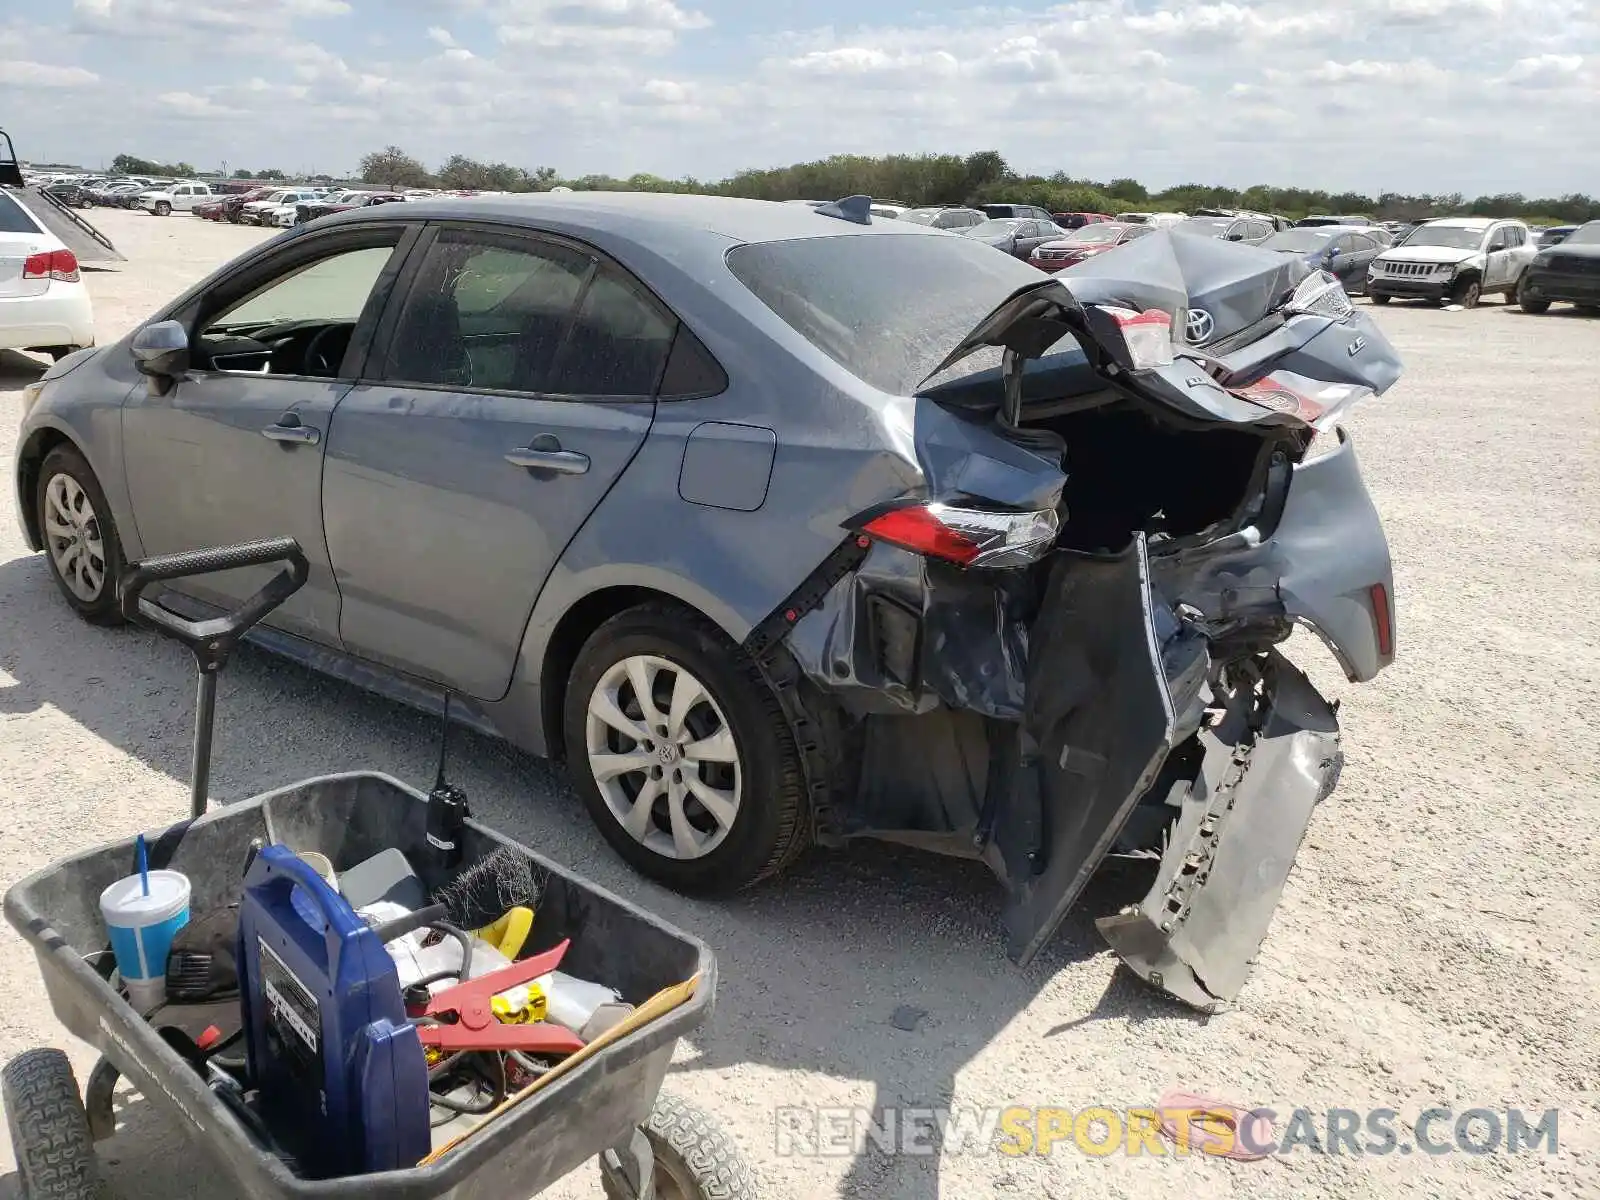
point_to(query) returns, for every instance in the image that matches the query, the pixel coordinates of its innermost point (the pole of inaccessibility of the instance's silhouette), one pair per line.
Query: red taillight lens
(60, 265)
(968, 537)
(918, 529)
(1382, 619)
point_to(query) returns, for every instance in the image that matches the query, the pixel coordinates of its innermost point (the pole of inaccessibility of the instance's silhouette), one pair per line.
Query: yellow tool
(535, 1008)
(509, 932)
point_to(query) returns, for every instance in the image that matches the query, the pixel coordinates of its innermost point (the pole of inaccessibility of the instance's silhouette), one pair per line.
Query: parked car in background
(1156, 220)
(1077, 220)
(1313, 222)
(944, 217)
(1019, 212)
(1017, 236)
(1251, 230)
(233, 205)
(118, 195)
(180, 197)
(342, 202)
(1454, 260)
(1085, 243)
(1567, 272)
(210, 210)
(260, 212)
(1556, 234)
(1346, 251)
(69, 192)
(43, 303)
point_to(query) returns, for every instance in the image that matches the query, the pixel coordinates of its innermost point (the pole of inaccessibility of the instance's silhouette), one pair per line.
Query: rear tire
(49, 1129)
(695, 1159)
(72, 512)
(1530, 305)
(727, 801)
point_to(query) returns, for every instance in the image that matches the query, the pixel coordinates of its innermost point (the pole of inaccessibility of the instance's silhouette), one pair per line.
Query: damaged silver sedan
(785, 526)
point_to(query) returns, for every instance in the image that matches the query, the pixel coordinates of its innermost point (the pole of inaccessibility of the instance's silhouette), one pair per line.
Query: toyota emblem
(1198, 326)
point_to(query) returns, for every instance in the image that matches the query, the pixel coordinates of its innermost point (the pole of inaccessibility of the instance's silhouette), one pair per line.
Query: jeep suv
(1456, 260)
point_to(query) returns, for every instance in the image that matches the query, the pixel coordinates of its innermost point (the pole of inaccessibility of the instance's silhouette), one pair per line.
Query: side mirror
(1236, 237)
(161, 351)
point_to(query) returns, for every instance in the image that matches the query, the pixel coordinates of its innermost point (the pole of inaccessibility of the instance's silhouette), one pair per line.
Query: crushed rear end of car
(1062, 641)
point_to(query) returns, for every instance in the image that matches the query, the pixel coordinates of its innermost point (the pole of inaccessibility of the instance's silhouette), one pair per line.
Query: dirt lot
(1436, 947)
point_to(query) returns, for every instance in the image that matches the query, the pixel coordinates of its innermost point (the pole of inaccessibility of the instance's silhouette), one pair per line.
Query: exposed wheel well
(28, 464)
(571, 632)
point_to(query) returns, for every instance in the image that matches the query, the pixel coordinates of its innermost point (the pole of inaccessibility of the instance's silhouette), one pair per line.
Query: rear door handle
(544, 453)
(291, 429)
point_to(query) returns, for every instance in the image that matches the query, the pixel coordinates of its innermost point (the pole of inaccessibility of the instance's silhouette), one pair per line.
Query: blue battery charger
(340, 1071)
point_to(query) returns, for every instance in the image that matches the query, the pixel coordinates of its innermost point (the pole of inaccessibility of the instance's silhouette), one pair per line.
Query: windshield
(920, 216)
(997, 228)
(1299, 240)
(1095, 235)
(887, 309)
(1446, 237)
(1587, 235)
(1212, 225)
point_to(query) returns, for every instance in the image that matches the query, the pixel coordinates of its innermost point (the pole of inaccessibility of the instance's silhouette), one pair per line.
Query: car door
(1497, 260)
(235, 450)
(1364, 248)
(516, 384)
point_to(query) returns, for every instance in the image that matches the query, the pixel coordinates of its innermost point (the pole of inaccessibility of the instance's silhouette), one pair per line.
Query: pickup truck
(180, 197)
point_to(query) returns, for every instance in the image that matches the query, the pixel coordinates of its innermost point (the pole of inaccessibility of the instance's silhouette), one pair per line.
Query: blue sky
(1409, 95)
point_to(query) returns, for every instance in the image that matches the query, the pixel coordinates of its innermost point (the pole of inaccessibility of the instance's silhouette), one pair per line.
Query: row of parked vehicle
(1453, 260)
(283, 207)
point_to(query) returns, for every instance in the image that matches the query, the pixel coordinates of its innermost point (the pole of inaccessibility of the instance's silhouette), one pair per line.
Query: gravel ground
(1436, 946)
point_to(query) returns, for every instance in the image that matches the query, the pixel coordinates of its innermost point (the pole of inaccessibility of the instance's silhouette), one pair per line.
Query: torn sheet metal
(1232, 848)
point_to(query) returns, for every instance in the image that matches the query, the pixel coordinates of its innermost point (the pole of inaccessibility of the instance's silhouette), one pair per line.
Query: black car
(1017, 237)
(1556, 234)
(1342, 250)
(1568, 272)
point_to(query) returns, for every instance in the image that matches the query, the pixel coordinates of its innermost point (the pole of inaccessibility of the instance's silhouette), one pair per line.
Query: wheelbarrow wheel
(49, 1129)
(695, 1159)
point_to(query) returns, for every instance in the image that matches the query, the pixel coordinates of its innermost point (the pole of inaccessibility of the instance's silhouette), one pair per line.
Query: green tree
(1129, 191)
(271, 173)
(393, 167)
(244, 175)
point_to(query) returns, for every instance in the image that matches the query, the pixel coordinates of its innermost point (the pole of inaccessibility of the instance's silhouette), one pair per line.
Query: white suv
(180, 197)
(1454, 260)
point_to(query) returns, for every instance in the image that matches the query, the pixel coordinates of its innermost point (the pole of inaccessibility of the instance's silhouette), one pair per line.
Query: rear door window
(618, 344)
(13, 219)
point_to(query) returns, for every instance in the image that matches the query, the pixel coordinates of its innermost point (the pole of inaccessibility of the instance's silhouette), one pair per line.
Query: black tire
(1466, 293)
(1379, 298)
(102, 608)
(695, 1158)
(1589, 310)
(1533, 306)
(771, 827)
(49, 1129)
(163, 209)
(1514, 293)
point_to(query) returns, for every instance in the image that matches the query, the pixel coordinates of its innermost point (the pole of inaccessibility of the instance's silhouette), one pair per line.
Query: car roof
(648, 216)
(1470, 222)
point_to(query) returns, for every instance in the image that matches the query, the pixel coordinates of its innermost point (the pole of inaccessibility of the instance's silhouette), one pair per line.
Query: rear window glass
(13, 219)
(888, 309)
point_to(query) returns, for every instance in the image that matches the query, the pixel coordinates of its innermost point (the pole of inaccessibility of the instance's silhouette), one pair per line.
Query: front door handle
(291, 429)
(544, 453)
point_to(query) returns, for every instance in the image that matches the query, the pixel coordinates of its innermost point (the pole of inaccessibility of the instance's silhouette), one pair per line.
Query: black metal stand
(205, 709)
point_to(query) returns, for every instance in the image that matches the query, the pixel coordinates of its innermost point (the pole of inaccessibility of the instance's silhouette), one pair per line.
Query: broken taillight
(1146, 335)
(968, 537)
(60, 265)
(1382, 620)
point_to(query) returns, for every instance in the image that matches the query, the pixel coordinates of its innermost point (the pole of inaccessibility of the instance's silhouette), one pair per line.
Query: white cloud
(22, 73)
(1436, 95)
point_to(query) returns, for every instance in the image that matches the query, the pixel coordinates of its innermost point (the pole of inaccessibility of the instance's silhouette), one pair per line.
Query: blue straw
(144, 866)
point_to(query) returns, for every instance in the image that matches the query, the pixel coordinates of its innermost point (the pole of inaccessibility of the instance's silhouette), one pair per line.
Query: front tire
(1379, 297)
(1530, 305)
(81, 544)
(163, 209)
(681, 753)
(1467, 293)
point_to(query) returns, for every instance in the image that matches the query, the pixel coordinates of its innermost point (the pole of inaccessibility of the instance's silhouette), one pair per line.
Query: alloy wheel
(663, 757)
(72, 533)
